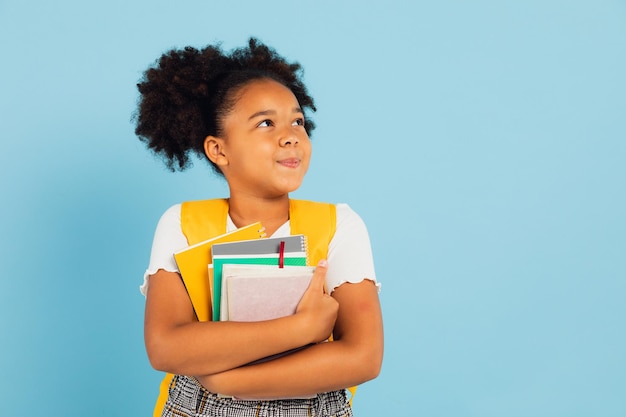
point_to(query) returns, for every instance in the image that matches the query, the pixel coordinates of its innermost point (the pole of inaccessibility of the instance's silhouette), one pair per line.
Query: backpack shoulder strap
(203, 219)
(317, 221)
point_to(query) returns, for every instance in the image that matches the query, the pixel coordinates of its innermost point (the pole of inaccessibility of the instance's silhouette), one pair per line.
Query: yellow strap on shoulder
(204, 219)
(317, 221)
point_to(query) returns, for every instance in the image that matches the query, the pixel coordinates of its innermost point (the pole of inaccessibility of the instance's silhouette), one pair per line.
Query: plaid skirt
(187, 398)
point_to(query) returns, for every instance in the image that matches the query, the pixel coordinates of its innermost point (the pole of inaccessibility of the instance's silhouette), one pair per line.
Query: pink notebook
(262, 292)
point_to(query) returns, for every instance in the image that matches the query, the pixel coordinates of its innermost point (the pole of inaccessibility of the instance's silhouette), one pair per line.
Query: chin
(290, 189)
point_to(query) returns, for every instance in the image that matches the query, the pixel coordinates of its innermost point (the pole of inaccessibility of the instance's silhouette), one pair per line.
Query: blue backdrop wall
(483, 143)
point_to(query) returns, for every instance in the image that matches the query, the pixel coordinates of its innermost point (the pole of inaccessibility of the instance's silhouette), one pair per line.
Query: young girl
(245, 111)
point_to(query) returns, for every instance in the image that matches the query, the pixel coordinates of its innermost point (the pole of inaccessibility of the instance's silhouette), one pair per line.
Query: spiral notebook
(280, 251)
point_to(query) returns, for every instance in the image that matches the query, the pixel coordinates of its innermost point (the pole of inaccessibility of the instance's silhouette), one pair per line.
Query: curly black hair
(186, 95)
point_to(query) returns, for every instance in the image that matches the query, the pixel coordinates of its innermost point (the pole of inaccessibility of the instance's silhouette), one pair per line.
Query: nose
(289, 138)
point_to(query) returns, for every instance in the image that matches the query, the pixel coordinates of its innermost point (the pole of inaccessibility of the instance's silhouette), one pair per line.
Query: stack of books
(243, 276)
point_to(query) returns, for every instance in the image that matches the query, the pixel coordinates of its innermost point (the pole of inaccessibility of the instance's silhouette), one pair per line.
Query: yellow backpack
(204, 219)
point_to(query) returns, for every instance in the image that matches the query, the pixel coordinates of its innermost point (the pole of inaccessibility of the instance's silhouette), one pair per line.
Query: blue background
(483, 143)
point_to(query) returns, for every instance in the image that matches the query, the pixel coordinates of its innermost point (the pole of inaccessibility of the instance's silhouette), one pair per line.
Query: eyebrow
(273, 112)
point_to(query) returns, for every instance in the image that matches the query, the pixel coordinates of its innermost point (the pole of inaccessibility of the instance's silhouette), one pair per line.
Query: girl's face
(264, 150)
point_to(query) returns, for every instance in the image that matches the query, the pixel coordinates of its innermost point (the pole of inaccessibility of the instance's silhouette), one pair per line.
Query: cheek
(259, 155)
(306, 158)
(308, 149)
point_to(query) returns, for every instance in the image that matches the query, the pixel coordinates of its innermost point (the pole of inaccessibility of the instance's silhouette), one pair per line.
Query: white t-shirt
(349, 253)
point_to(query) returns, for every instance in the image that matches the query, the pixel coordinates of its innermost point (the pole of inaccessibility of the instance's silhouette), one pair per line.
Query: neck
(272, 213)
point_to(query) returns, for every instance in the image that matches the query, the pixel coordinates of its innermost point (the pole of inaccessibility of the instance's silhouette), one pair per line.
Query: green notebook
(255, 252)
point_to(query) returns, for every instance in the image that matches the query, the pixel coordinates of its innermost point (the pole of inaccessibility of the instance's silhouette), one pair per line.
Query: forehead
(264, 93)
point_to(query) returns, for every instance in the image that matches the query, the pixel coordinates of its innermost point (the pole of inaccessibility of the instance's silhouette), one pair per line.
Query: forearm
(319, 368)
(202, 348)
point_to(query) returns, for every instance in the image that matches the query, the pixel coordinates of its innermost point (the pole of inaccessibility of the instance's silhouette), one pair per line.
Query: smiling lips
(290, 162)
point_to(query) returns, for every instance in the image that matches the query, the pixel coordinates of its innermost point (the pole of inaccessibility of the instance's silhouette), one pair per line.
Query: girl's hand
(316, 308)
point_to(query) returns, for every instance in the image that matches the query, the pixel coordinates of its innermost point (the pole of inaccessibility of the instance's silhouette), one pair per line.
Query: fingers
(318, 281)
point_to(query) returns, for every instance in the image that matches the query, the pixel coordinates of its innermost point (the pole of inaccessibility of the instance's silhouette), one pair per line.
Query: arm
(177, 343)
(353, 358)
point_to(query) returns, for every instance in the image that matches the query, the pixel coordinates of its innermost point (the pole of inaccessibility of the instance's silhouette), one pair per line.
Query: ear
(214, 150)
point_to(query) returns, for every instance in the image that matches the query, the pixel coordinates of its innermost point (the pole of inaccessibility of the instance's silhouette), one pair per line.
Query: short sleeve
(349, 254)
(168, 238)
